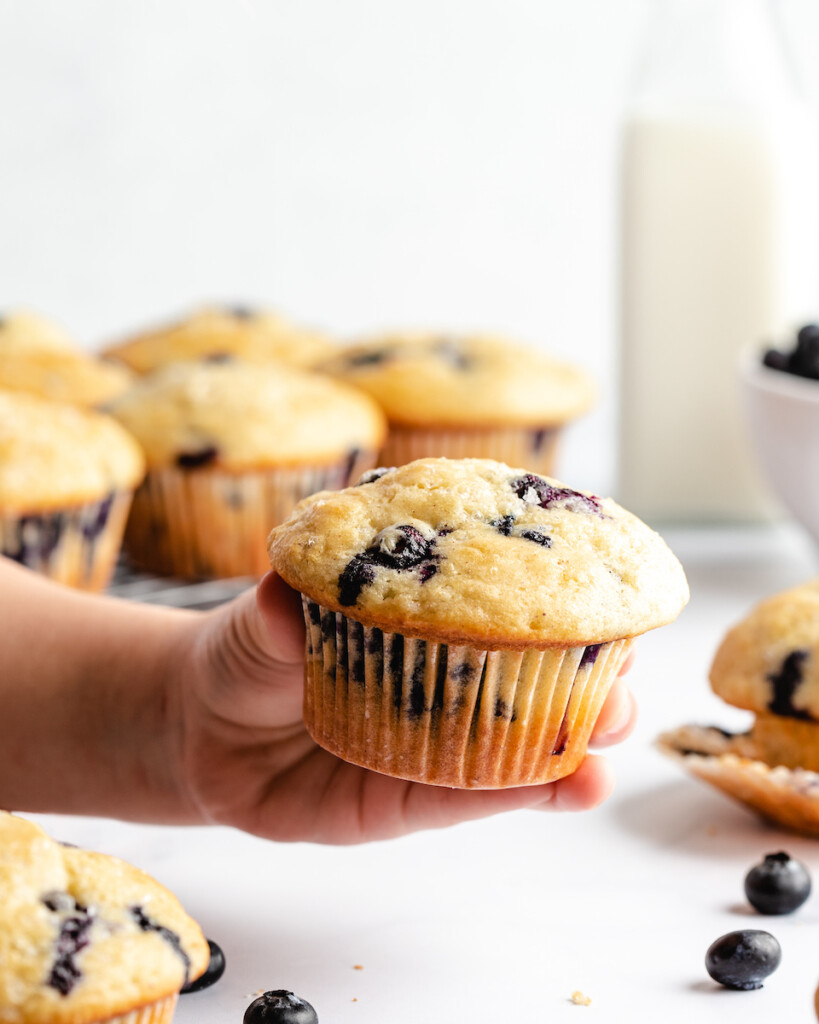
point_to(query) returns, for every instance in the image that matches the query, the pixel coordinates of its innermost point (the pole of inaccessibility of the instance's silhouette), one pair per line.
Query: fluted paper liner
(78, 546)
(533, 447)
(451, 715)
(206, 522)
(160, 1012)
(788, 797)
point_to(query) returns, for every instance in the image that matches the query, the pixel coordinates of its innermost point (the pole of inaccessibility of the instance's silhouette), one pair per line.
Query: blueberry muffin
(22, 331)
(36, 356)
(255, 335)
(767, 664)
(465, 620)
(471, 396)
(67, 476)
(86, 938)
(231, 448)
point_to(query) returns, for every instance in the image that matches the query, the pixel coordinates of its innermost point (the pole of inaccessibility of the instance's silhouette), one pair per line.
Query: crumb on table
(579, 999)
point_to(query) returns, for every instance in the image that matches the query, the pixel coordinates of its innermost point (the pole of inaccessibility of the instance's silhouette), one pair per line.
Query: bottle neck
(732, 51)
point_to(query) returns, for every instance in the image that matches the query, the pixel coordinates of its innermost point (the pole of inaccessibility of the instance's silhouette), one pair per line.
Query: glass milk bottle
(720, 251)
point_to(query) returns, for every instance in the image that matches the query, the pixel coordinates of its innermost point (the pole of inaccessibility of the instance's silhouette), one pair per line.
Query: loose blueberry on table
(744, 959)
(280, 1007)
(213, 972)
(779, 885)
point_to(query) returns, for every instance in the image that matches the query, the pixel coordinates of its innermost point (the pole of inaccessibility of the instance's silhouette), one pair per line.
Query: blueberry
(744, 959)
(536, 491)
(280, 1007)
(193, 460)
(72, 939)
(241, 312)
(373, 474)
(776, 360)
(395, 547)
(785, 683)
(805, 360)
(213, 972)
(147, 924)
(779, 885)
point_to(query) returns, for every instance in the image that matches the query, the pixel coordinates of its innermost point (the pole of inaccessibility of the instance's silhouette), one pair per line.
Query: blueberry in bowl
(781, 405)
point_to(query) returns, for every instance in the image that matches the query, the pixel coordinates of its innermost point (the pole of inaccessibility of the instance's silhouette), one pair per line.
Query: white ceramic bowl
(783, 417)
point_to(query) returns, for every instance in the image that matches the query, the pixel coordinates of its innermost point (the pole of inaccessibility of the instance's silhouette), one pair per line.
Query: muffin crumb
(579, 999)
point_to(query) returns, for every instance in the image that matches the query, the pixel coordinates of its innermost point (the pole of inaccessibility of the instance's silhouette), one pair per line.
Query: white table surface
(502, 920)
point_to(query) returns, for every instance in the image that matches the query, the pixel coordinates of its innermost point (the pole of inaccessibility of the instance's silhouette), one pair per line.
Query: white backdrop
(359, 164)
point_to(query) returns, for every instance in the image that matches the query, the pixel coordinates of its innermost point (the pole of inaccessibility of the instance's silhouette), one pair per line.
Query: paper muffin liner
(160, 1012)
(451, 715)
(788, 797)
(535, 448)
(206, 522)
(78, 545)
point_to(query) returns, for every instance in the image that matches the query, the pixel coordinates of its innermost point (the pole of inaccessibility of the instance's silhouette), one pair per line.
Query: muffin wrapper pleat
(535, 448)
(160, 1012)
(206, 522)
(451, 715)
(786, 796)
(77, 546)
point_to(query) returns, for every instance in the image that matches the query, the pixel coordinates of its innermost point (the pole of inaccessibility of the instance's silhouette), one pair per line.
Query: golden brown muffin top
(769, 662)
(425, 379)
(84, 936)
(23, 331)
(257, 336)
(63, 376)
(474, 551)
(237, 415)
(54, 455)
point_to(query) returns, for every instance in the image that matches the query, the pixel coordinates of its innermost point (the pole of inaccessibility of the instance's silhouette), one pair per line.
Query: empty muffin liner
(788, 797)
(206, 522)
(160, 1012)
(78, 545)
(535, 448)
(451, 715)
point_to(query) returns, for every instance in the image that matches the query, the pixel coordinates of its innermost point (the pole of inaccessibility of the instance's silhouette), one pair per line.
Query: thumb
(280, 610)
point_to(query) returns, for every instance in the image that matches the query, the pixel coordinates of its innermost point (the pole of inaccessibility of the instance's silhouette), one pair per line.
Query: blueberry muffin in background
(38, 357)
(465, 620)
(86, 938)
(466, 396)
(257, 336)
(67, 476)
(767, 664)
(231, 448)
(24, 331)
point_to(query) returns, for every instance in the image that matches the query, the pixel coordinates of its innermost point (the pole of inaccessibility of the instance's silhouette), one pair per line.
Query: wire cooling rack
(133, 585)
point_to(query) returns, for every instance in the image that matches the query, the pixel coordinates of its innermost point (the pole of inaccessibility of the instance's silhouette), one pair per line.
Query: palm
(248, 760)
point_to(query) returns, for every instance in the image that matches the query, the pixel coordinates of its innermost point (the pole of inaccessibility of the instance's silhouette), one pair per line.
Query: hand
(247, 760)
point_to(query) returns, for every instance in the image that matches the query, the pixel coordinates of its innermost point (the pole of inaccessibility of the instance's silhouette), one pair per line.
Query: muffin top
(256, 335)
(63, 376)
(473, 551)
(237, 415)
(21, 330)
(85, 936)
(481, 380)
(769, 662)
(54, 455)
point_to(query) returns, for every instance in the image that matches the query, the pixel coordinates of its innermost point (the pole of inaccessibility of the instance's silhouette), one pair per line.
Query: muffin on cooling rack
(466, 396)
(67, 476)
(231, 448)
(37, 356)
(465, 620)
(86, 938)
(255, 335)
(768, 664)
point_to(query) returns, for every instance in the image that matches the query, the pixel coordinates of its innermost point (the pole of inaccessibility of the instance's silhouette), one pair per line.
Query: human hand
(246, 759)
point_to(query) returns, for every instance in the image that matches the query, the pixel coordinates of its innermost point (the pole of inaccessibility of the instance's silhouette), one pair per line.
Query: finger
(280, 610)
(618, 717)
(436, 807)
